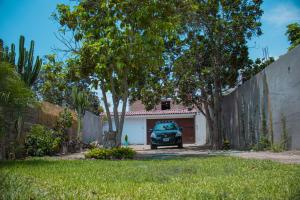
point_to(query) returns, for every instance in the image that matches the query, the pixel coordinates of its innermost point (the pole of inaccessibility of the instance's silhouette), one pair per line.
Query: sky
(32, 18)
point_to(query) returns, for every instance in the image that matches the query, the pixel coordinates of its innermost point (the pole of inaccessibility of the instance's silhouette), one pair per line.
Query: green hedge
(114, 153)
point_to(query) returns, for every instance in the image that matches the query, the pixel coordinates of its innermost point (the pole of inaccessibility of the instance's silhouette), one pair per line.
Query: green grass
(188, 178)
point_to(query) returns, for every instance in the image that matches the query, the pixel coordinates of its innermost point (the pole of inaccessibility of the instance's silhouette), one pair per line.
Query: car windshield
(165, 126)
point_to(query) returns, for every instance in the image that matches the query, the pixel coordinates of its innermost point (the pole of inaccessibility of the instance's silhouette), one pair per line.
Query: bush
(42, 141)
(98, 153)
(114, 153)
(277, 148)
(226, 145)
(123, 152)
(263, 144)
(63, 122)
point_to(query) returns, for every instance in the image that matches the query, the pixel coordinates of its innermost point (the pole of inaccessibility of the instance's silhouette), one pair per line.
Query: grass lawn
(188, 178)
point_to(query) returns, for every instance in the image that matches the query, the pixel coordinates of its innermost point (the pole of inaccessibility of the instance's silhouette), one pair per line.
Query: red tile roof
(160, 112)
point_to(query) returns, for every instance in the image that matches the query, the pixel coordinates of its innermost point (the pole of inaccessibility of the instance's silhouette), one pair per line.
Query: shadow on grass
(28, 162)
(173, 156)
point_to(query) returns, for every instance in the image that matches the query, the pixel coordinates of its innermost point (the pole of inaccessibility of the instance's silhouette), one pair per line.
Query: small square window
(165, 105)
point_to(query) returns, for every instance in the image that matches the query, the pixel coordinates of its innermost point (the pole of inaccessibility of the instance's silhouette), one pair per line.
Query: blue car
(166, 133)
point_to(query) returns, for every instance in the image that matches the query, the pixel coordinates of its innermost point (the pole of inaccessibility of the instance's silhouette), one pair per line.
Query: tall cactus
(26, 67)
(4, 52)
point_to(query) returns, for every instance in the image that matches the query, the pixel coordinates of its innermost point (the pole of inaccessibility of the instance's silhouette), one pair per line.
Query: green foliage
(283, 144)
(276, 148)
(64, 122)
(224, 178)
(263, 144)
(80, 101)
(255, 67)
(126, 138)
(13, 91)
(15, 96)
(41, 141)
(122, 153)
(114, 153)
(226, 145)
(293, 33)
(284, 135)
(98, 153)
(56, 80)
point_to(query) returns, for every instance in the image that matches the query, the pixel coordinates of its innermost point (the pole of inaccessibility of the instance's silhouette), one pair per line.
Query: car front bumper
(164, 142)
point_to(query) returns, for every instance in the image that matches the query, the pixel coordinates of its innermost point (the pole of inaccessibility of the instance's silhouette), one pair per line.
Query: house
(138, 121)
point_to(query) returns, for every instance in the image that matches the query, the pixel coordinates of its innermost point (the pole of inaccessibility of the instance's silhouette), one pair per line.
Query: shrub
(226, 145)
(284, 134)
(126, 139)
(98, 153)
(42, 141)
(263, 144)
(63, 122)
(123, 152)
(114, 153)
(277, 148)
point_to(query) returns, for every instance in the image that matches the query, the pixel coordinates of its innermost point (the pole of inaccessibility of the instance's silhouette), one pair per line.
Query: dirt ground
(144, 152)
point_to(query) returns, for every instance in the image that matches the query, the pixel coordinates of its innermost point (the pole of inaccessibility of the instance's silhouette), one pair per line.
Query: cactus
(4, 52)
(12, 54)
(25, 67)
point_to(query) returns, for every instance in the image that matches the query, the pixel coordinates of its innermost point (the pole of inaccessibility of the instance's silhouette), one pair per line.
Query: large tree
(215, 50)
(121, 45)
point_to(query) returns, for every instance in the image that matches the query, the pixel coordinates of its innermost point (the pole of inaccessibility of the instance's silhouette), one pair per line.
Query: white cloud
(282, 14)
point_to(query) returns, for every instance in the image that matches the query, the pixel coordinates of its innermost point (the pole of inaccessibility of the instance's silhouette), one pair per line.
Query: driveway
(144, 152)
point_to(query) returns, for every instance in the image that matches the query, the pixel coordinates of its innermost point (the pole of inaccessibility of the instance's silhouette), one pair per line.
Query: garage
(187, 124)
(137, 125)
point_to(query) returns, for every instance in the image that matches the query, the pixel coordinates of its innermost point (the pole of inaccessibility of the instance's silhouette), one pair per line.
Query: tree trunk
(110, 128)
(121, 123)
(217, 135)
(79, 136)
(19, 126)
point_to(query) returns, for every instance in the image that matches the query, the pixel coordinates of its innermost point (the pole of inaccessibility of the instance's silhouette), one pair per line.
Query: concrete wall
(91, 128)
(274, 91)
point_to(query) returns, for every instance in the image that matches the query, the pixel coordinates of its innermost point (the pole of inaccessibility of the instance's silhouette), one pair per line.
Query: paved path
(284, 157)
(144, 152)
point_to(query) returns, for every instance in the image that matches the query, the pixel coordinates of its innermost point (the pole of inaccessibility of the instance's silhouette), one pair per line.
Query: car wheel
(180, 145)
(153, 146)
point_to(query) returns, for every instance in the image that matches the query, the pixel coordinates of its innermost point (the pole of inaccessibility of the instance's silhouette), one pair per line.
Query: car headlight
(178, 134)
(153, 135)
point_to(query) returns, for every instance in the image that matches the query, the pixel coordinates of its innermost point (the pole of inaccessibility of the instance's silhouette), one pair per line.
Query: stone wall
(47, 114)
(275, 91)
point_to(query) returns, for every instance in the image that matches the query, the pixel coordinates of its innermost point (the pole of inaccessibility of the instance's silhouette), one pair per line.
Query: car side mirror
(180, 128)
